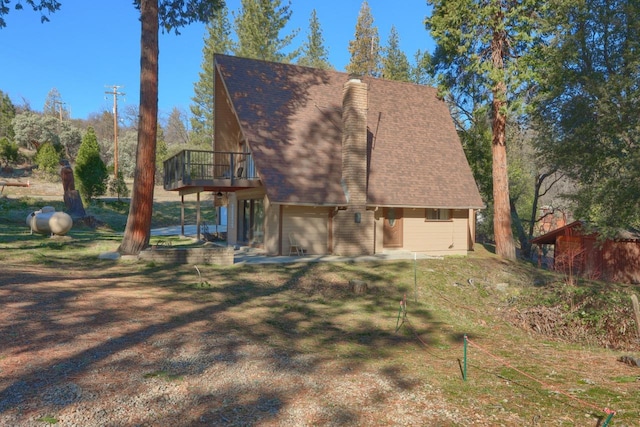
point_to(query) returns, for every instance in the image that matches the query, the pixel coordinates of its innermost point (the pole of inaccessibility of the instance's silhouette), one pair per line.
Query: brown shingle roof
(292, 118)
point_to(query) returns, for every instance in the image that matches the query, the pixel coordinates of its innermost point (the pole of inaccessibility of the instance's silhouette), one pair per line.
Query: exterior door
(392, 229)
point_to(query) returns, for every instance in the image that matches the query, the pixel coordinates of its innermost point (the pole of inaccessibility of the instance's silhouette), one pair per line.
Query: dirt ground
(94, 349)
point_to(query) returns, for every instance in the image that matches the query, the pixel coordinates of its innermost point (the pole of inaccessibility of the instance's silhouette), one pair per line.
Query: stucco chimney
(354, 140)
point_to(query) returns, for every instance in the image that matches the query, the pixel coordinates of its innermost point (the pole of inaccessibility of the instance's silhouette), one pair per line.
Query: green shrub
(48, 158)
(90, 171)
(118, 187)
(9, 152)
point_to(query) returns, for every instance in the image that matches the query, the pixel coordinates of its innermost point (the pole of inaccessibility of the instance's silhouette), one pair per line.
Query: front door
(392, 229)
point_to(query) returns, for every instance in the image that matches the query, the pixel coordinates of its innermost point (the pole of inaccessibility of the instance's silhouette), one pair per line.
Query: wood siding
(309, 226)
(227, 129)
(613, 261)
(449, 237)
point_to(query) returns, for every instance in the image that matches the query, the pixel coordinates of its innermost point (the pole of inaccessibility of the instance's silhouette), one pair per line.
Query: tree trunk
(138, 229)
(505, 246)
(501, 208)
(525, 241)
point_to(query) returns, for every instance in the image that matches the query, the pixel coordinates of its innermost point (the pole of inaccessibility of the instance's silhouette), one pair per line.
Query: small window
(436, 214)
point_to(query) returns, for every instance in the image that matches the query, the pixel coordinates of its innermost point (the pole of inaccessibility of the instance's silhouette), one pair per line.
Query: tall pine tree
(218, 40)
(154, 14)
(395, 65)
(486, 43)
(421, 73)
(365, 48)
(258, 26)
(314, 54)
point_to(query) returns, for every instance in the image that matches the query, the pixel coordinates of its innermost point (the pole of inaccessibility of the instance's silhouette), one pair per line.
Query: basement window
(437, 214)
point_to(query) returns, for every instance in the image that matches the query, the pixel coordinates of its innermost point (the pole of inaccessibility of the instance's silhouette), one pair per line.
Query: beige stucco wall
(450, 237)
(309, 227)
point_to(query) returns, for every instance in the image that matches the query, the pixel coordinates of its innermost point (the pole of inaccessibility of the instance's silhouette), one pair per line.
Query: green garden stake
(611, 414)
(415, 278)
(398, 324)
(464, 359)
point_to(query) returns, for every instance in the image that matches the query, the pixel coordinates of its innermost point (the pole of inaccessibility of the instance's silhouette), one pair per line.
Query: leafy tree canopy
(173, 14)
(43, 6)
(32, 129)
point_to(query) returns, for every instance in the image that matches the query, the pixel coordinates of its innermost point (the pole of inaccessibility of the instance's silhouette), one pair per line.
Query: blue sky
(89, 45)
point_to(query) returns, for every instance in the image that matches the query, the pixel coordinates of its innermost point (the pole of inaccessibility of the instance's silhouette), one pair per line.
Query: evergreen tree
(47, 158)
(218, 40)
(9, 152)
(90, 172)
(7, 113)
(487, 44)
(314, 54)
(421, 72)
(118, 186)
(54, 106)
(175, 132)
(395, 65)
(365, 48)
(154, 14)
(588, 114)
(258, 26)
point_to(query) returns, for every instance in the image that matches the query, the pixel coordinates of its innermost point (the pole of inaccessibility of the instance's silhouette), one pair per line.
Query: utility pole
(115, 93)
(59, 104)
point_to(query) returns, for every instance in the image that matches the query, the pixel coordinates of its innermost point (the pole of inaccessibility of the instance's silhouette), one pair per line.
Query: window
(436, 214)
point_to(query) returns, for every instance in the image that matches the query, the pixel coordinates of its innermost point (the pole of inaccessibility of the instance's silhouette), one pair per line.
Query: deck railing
(195, 167)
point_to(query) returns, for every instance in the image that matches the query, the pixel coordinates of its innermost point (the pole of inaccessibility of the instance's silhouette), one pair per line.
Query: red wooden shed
(583, 252)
